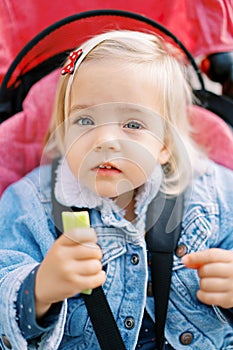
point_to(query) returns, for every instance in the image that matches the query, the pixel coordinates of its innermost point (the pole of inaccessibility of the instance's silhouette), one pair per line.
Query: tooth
(101, 166)
(108, 167)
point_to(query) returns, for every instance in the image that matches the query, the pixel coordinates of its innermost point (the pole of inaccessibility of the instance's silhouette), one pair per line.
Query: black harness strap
(103, 321)
(162, 236)
(162, 240)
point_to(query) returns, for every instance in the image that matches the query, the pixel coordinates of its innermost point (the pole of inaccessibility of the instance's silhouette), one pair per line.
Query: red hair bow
(69, 68)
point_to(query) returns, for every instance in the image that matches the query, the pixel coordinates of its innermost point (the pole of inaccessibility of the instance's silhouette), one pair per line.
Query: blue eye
(133, 125)
(85, 121)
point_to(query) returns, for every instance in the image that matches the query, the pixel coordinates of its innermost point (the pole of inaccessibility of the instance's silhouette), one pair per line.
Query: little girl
(121, 130)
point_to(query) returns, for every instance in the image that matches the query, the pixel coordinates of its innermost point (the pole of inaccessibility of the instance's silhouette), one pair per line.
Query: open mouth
(107, 168)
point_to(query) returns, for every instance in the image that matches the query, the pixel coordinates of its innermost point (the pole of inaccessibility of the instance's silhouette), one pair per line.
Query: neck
(129, 211)
(126, 201)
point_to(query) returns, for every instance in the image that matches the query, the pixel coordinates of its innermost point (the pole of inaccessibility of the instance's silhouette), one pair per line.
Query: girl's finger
(222, 270)
(196, 260)
(215, 285)
(81, 235)
(224, 300)
(89, 267)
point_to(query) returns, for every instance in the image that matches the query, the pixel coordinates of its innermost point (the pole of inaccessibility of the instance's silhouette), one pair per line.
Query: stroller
(29, 87)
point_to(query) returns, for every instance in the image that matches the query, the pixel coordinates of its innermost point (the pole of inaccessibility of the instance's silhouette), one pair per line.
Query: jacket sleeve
(26, 315)
(25, 237)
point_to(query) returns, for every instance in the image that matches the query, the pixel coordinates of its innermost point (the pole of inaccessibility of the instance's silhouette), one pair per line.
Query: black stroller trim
(219, 104)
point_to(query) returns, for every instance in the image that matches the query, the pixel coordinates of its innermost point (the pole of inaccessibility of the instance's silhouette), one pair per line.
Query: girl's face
(114, 134)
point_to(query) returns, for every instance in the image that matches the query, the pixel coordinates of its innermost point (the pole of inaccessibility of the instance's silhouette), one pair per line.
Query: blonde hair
(172, 94)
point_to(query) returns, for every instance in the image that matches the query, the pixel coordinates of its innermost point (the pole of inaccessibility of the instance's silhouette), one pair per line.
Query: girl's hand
(69, 267)
(215, 269)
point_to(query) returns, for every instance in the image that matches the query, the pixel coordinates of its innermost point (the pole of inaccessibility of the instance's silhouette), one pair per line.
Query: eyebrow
(121, 108)
(79, 107)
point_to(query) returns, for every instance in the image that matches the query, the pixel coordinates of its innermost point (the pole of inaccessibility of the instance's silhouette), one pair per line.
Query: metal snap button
(186, 338)
(129, 322)
(135, 259)
(6, 342)
(181, 250)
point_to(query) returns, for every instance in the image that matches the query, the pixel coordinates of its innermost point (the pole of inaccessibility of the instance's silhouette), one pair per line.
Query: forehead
(102, 82)
(107, 111)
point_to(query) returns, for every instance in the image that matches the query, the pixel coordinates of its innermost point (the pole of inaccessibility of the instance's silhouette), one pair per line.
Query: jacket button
(181, 250)
(6, 342)
(186, 338)
(149, 289)
(135, 259)
(129, 322)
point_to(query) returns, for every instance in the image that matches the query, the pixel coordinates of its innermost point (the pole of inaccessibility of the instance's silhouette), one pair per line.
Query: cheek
(143, 156)
(77, 151)
(75, 140)
(75, 156)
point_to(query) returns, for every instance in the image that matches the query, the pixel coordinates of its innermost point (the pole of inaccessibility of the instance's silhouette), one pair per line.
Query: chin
(102, 191)
(106, 194)
(107, 190)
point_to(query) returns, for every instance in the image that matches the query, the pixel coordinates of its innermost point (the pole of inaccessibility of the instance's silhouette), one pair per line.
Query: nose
(107, 139)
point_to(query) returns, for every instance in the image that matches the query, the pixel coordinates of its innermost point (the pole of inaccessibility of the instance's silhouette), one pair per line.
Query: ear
(163, 155)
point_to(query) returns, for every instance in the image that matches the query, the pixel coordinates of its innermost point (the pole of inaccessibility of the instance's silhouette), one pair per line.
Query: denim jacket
(27, 232)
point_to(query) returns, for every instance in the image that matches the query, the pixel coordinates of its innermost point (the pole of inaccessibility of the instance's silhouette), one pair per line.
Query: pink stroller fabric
(21, 136)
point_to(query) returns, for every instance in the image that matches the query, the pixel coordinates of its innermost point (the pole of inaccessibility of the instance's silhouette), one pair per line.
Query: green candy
(73, 220)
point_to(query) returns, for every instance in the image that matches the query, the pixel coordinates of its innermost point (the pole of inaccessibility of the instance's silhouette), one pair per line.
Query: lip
(107, 168)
